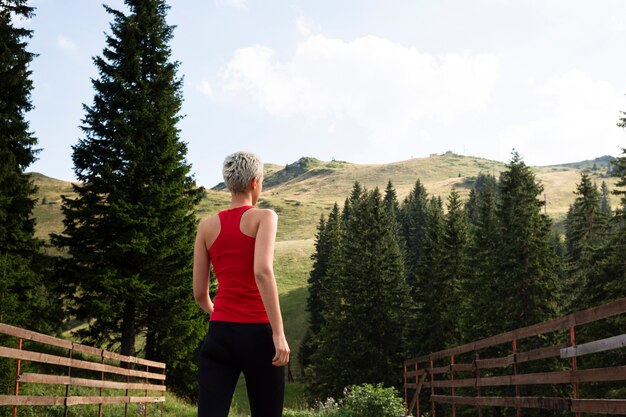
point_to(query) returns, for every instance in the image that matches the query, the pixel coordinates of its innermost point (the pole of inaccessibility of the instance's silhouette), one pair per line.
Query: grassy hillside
(302, 191)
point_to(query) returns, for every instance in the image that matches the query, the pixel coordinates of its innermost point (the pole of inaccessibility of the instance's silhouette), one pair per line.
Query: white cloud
(383, 87)
(237, 4)
(580, 122)
(66, 43)
(307, 28)
(205, 88)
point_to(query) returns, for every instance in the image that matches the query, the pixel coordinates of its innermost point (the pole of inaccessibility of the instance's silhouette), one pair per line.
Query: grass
(173, 406)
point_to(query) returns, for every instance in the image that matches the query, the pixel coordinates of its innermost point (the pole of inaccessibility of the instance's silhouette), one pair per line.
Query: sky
(362, 81)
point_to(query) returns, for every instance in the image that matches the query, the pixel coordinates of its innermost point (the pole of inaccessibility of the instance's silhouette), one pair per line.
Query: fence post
(127, 381)
(477, 372)
(145, 410)
(417, 382)
(452, 377)
(406, 393)
(69, 375)
(163, 402)
(432, 388)
(518, 410)
(101, 379)
(572, 340)
(17, 376)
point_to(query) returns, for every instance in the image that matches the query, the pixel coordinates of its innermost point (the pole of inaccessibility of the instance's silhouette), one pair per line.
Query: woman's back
(232, 255)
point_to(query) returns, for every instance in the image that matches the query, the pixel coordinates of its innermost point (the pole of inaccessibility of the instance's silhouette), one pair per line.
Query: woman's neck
(240, 200)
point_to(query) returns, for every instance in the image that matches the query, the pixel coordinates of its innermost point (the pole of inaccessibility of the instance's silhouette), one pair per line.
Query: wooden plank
(74, 363)
(440, 370)
(410, 374)
(112, 400)
(463, 367)
(610, 343)
(520, 357)
(67, 344)
(41, 400)
(418, 388)
(133, 359)
(82, 382)
(541, 353)
(30, 400)
(34, 336)
(495, 362)
(599, 406)
(548, 403)
(457, 383)
(582, 317)
(524, 332)
(601, 312)
(88, 350)
(617, 373)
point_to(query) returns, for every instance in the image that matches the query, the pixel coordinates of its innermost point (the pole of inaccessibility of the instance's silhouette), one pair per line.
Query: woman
(246, 328)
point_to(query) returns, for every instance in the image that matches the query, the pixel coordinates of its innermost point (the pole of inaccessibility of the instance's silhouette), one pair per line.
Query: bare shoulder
(208, 223)
(208, 229)
(266, 215)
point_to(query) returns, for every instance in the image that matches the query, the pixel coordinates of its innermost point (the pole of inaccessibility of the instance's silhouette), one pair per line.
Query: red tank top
(232, 255)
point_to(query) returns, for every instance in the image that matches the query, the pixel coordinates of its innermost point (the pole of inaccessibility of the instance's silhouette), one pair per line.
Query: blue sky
(362, 81)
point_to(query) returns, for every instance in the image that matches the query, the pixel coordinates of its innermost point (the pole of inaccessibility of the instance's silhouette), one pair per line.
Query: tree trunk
(128, 329)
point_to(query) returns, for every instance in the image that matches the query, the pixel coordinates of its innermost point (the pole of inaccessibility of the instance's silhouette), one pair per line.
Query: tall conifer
(413, 222)
(17, 143)
(480, 287)
(361, 339)
(26, 297)
(430, 297)
(327, 242)
(526, 276)
(585, 234)
(455, 270)
(129, 232)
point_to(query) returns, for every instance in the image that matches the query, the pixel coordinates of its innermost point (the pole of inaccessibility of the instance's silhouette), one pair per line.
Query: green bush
(359, 401)
(330, 408)
(371, 401)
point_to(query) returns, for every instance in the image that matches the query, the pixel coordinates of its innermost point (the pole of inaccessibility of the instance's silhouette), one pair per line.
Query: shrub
(371, 401)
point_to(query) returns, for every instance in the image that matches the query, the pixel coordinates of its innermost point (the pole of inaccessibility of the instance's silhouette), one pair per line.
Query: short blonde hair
(239, 169)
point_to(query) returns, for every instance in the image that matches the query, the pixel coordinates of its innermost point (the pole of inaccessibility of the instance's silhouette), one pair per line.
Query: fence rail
(420, 373)
(95, 363)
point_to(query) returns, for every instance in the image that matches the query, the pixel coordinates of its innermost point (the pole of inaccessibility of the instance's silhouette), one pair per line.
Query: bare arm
(266, 282)
(201, 265)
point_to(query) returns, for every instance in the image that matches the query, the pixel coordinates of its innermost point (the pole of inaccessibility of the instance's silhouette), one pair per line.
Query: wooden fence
(446, 378)
(91, 363)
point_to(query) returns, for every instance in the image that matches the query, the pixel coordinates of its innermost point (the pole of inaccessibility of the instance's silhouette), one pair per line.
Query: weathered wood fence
(445, 378)
(91, 363)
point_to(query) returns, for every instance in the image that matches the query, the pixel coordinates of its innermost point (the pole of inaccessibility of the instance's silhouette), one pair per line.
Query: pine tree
(413, 223)
(605, 203)
(390, 201)
(433, 331)
(527, 284)
(585, 233)
(481, 287)
(130, 231)
(483, 182)
(361, 339)
(607, 281)
(26, 298)
(16, 141)
(327, 241)
(455, 272)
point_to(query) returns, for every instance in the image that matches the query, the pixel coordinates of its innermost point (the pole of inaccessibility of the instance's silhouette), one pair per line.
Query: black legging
(228, 350)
